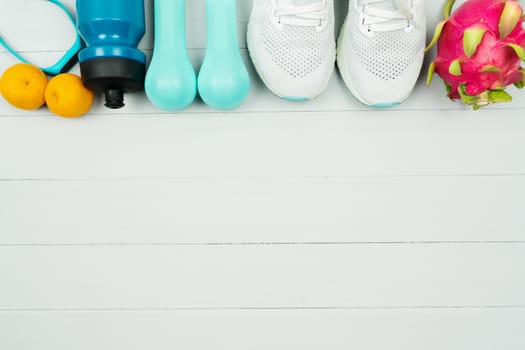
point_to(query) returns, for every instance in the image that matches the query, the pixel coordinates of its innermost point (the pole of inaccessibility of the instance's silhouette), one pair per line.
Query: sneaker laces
(386, 15)
(305, 15)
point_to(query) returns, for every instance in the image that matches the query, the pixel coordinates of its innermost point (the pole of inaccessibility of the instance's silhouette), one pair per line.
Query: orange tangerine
(67, 97)
(23, 86)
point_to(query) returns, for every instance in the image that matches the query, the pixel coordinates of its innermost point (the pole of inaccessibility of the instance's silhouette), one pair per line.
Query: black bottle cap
(114, 98)
(113, 76)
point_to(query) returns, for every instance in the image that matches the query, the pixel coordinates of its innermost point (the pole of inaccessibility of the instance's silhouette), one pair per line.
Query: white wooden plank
(262, 276)
(207, 219)
(481, 329)
(284, 210)
(266, 144)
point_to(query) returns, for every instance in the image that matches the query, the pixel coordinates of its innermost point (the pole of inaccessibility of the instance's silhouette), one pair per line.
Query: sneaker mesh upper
(297, 50)
(386, 54)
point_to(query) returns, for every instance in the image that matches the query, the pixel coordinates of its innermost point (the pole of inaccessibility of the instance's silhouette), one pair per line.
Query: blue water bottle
(111, 62)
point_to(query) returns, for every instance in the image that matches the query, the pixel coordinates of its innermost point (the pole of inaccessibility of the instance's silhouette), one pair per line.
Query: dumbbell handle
(221, 29)
(170, 26)
(171, 82)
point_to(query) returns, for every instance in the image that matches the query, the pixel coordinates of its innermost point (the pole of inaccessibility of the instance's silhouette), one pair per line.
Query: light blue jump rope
(67, 61)
(223, 80)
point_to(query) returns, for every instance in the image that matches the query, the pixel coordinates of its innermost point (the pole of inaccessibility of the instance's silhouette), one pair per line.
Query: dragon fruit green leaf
(455, 68)
(490, 69)
(472, 38)
(519, 51)
(510, 18)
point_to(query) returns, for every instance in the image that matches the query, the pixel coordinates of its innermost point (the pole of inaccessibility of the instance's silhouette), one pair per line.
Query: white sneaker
(292, 46)
(381, 48)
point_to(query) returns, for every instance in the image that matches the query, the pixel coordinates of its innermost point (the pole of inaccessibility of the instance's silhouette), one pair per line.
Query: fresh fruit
(66, 96)
(479, 51)
(23, 86)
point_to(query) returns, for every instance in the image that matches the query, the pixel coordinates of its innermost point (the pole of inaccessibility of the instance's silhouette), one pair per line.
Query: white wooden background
(319, 225)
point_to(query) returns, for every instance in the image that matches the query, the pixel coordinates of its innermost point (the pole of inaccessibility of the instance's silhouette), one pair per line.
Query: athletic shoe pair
(379, 52)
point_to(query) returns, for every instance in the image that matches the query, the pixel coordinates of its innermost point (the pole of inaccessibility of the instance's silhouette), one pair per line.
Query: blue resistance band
(67, 61)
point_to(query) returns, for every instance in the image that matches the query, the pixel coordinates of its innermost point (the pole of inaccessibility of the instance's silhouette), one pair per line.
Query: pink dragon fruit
(480, 49)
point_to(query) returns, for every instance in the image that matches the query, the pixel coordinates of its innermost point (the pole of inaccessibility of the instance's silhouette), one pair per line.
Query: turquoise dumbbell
(223, 80)
(171, 82)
